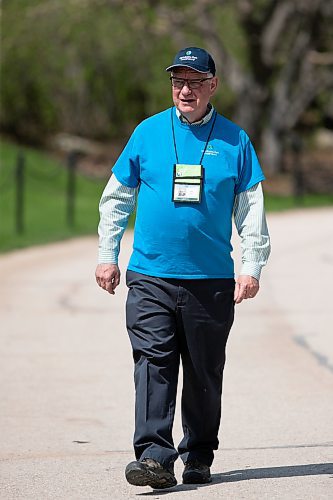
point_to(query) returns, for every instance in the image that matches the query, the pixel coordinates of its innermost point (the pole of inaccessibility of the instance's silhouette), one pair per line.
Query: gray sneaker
(148, 472)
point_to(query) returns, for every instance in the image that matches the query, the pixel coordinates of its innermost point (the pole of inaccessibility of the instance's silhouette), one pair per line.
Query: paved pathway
(66, 414)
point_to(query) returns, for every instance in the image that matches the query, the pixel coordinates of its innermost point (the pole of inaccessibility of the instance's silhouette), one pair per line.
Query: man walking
(190, 170)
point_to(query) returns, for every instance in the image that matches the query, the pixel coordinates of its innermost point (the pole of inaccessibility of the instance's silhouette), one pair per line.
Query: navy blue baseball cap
(194, 58)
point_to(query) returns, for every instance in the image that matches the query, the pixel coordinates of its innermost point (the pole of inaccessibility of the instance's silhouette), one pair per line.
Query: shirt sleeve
(116, 205)
(127, 167)
(250, 172)
(250, 221)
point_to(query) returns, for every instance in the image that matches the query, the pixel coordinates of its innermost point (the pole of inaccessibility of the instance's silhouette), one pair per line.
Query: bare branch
(282, 91)
(200, 11)
(245, 7)
(235, 75)
(320, 58)
(273, 30)
(312, 83)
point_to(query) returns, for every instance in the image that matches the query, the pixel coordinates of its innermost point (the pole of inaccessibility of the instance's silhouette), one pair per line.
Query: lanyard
(174, 137)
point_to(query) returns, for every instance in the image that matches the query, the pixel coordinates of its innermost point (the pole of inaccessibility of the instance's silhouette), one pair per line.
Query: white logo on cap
(188, 58)
(188, 53)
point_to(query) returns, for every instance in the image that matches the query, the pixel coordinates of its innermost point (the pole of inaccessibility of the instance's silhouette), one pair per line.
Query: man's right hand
(108, 277)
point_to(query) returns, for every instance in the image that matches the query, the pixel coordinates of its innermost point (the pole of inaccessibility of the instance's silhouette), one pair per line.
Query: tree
(288, 63)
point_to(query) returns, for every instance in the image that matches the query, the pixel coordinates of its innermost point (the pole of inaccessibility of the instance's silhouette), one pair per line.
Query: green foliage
(81, 70)
(92, 68)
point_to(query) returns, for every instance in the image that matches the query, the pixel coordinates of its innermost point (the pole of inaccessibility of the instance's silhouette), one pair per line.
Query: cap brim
(169, 68)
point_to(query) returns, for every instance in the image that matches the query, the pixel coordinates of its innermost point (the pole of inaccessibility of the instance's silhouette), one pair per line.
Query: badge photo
(187, 183)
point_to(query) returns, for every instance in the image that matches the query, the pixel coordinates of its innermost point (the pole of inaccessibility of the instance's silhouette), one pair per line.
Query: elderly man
(190, 170)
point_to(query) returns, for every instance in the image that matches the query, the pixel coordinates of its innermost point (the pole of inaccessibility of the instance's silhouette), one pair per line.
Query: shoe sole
(140, 476)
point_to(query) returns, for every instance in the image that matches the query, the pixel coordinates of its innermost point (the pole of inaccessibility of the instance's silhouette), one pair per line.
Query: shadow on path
(273, 472)
(247, 474)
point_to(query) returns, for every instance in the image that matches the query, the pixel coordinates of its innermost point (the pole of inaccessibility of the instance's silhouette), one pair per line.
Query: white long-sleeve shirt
(118, 202)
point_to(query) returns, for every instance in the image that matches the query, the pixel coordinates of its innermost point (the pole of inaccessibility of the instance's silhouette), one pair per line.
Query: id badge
(187, 183)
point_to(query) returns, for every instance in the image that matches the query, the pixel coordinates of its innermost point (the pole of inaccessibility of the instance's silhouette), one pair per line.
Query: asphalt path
(66, 397)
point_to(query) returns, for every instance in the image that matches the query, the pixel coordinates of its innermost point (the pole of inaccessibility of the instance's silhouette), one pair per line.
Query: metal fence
(16, 178)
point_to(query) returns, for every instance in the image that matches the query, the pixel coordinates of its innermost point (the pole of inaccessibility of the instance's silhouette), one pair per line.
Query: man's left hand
(246, 287)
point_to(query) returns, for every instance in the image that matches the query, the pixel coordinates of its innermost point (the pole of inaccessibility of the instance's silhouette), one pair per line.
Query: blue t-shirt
(186, 240)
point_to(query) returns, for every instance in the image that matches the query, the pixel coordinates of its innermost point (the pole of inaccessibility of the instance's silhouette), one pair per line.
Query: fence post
(71, 187)
(19, 201)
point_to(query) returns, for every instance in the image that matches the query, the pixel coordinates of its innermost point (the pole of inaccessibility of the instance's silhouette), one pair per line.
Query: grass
(45, 200)
(274, 203)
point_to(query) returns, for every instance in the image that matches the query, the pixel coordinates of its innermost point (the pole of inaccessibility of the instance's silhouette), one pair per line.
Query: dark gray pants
(168, 319)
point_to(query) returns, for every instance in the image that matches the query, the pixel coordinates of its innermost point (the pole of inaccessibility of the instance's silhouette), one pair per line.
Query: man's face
(192, 103)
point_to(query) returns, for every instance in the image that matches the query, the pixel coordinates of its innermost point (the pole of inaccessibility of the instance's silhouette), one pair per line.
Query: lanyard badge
(188, 179)
(187, 183)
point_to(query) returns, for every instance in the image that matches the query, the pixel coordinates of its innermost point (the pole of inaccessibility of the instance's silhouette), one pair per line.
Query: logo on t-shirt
(211, 151)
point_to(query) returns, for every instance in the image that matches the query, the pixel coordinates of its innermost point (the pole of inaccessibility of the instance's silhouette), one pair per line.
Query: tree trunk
(248, 111)
(271, 150)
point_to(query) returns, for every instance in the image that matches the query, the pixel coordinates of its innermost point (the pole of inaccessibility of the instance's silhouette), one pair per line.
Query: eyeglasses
(179, 83)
